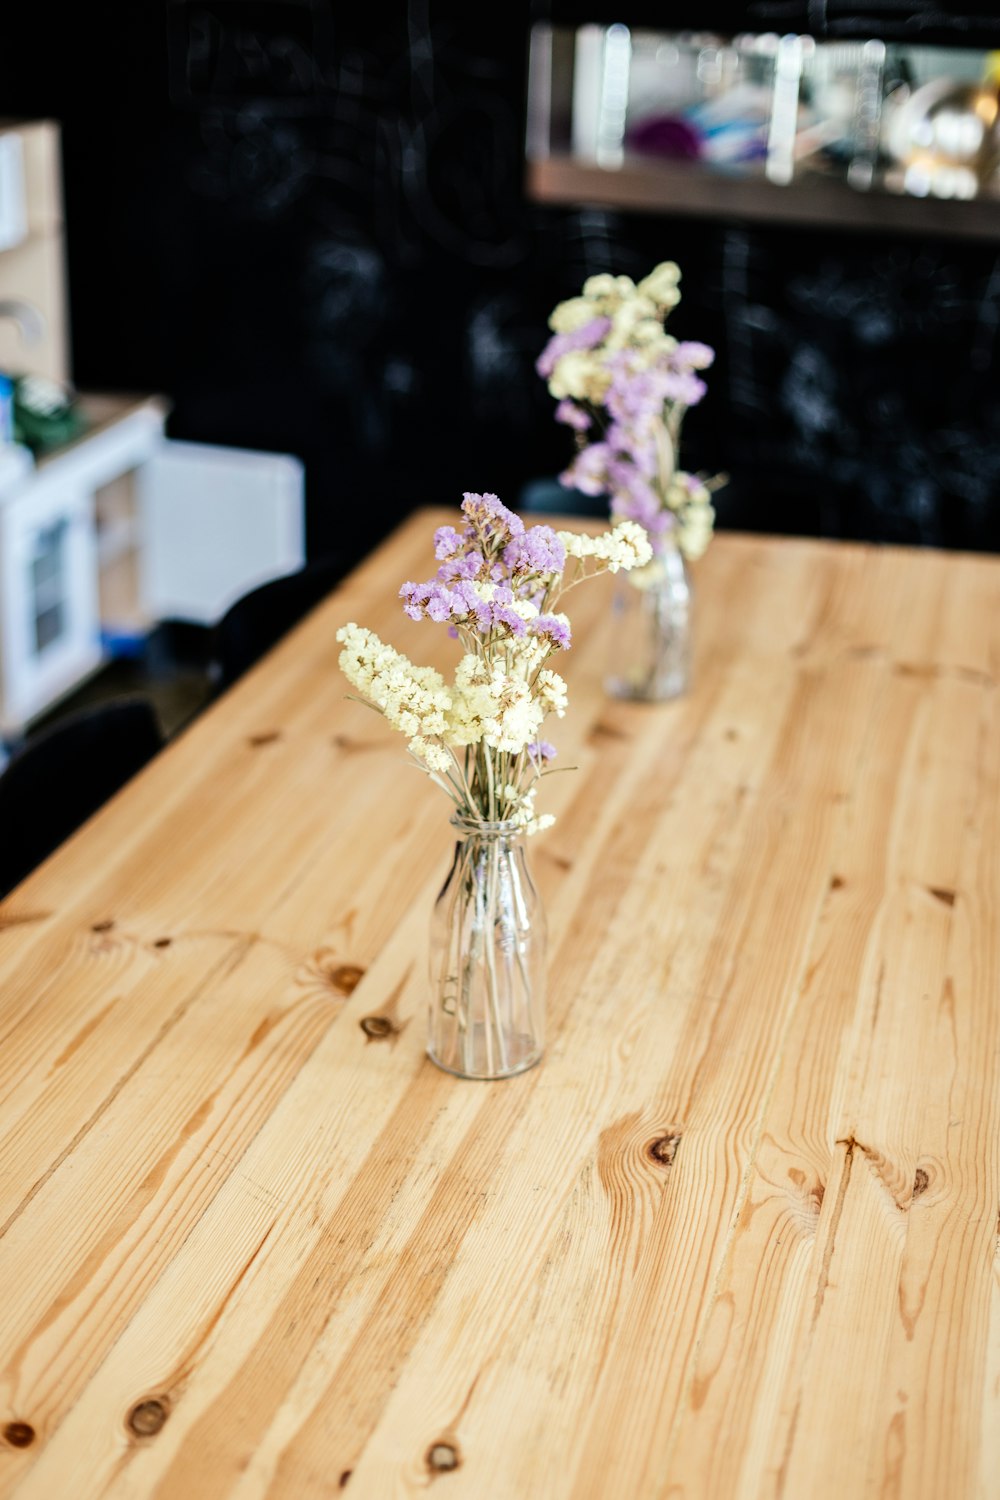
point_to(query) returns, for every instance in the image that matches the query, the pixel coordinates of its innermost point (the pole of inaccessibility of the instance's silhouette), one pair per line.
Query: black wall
(305, 221)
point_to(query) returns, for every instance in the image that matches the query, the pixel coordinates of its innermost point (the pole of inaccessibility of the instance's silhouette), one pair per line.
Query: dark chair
(547, 497)
(255, 623)
(64, 774)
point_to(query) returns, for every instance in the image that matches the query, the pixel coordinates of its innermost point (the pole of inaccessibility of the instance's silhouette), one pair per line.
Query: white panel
(13, 204)
(35, 674)
(588, 74)
(216, 522)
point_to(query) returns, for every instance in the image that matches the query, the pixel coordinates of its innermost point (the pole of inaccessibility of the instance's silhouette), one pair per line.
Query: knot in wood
(920, 1182)
(663, 1149)
(147, 1417)
(442, 1457)
(346, 978)
(376, 1027)
(105, 926)
(19, 1434)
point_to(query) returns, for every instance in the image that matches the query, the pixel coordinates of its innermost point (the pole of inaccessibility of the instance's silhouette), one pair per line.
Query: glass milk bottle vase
(487, 1001)
(651, 633)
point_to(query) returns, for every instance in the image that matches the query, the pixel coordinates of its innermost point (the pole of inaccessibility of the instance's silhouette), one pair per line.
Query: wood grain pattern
(738, 1236)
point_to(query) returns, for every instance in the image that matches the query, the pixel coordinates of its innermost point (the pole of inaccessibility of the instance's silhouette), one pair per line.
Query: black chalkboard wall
(305, 221)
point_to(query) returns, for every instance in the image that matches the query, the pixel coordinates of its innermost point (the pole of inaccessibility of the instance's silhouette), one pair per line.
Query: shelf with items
(852, 135)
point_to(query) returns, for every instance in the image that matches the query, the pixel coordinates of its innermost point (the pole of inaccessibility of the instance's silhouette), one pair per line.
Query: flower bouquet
(479, 738)
(624, 385)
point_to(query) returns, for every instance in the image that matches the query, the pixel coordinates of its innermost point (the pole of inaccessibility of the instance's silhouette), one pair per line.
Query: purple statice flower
(504, 616)
(628, 505)
(589, 470)
(572, 415)
(542, 750)
(466, 565)
(491, 516)
(409, 595)
(636, 445)
(447, 542)
(432, 600)
(553, 629)
(683, 387)
(635, 394)
(693, 356)
(471, 605)
(587, 337)
(538, 550)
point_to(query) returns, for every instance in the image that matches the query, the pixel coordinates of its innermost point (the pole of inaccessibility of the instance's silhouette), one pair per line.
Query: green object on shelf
(45, 414)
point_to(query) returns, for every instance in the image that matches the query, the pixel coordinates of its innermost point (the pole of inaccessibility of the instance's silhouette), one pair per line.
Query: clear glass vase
(487, 1007)
(651, 638)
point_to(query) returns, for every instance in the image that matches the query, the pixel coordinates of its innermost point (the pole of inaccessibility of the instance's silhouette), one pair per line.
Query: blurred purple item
(666, 135)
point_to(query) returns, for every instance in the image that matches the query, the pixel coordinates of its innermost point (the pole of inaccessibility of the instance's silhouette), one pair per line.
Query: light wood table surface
(736, 1237)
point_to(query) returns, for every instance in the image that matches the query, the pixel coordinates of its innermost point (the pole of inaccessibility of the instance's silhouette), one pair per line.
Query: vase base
(663, 692)
(521, 1066)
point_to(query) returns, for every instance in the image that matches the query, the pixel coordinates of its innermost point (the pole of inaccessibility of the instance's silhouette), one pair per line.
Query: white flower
(539, 825)
(525, 816)
(430, 755)
(691, 502)
(571, 315)
(627, 546)
(637, 312)
(551, 691)
(413, 699)
(475, 696)
(695, 531)
(606, 286)
(661, 284)
(581, 376)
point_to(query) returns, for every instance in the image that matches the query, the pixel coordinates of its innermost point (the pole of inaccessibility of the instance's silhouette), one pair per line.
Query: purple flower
(554, 630)
(467, 565)
(572, 415)
(446, 542)
(504, 615)
(694, 355)
(682, 386)
(589, 470)
(411, 606)
(542, 750)
(538, 550)
(491, 516)
(587, 337)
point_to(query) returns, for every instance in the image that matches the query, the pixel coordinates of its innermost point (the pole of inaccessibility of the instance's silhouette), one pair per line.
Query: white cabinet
(50, 635)
(121, 529)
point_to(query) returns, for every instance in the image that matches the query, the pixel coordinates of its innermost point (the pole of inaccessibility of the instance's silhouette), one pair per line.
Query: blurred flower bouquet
(497, 589)
(624, 385)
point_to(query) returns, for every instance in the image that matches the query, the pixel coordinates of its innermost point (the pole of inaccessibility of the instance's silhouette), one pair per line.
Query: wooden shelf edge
(673, 188)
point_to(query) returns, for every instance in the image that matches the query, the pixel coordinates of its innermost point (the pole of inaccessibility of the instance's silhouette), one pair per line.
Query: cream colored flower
(581, 376)
(571, 315)
(605, 287)
(525, 816)
(430, 755)
(661, 284)
(551, 691)
(626, 318)
(413, 699)
(626, 546)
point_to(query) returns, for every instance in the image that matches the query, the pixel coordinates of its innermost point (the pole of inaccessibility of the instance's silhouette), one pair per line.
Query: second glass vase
(651, 640)
(487, 1000)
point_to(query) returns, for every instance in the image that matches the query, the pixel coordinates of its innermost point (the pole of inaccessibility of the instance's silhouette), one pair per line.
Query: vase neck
(482, 830)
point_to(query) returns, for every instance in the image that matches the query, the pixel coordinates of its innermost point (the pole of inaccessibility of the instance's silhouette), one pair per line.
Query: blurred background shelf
(665, 187)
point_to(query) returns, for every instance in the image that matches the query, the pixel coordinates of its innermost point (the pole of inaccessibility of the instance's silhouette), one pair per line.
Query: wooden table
(736, 1237)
